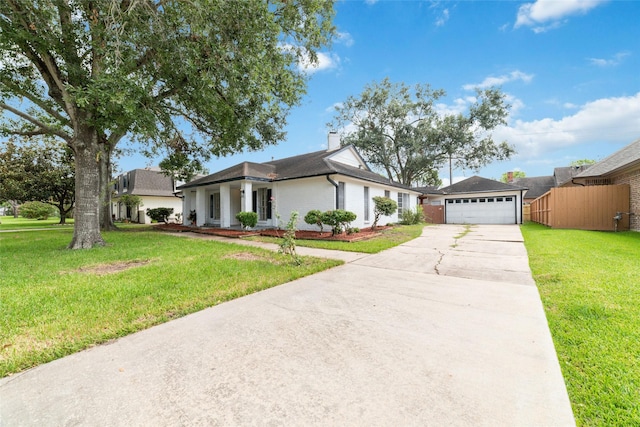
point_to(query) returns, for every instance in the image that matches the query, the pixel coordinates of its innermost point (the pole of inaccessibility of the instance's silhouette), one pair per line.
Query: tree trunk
(106, 219)
(86, 230)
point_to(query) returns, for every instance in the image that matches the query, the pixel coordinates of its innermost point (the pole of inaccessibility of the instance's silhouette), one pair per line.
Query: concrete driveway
(438, 331)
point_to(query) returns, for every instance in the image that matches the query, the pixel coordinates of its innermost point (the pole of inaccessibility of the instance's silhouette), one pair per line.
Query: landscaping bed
(364, 233)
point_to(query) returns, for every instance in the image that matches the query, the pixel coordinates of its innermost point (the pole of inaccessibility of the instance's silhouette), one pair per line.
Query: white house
(154, 188)
(337, 178)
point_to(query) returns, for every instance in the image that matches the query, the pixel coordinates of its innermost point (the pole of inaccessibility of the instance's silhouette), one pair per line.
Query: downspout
(521, 208)
(335, 184)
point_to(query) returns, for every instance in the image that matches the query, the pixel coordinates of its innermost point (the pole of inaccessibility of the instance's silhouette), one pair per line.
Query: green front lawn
(11, 223)
(55, 301)
(389, 238)
(590, 287)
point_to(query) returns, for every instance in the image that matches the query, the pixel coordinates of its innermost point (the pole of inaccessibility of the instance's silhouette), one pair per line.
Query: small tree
(288, 243)
(383, 206)
(247, 219)
(339, 220)
(159, 214)
(36, 210)
(314, 217)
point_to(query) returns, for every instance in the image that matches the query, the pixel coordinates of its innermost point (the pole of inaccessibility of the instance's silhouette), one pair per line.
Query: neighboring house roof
(536, 185)
(626, 157)
(477, 184)
(302, 166)
(148, 182)
(565, 174)
(428, 189)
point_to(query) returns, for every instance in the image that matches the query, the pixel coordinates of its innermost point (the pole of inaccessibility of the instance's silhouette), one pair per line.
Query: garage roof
(477, 184)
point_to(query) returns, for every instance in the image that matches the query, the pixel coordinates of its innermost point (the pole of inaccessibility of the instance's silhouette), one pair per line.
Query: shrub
(288, 243)
(383, 206)
(410, 217)
(36, 210)
(159, 214)
(247, 219)
(314, 217)
(193, 216)
(338, 219)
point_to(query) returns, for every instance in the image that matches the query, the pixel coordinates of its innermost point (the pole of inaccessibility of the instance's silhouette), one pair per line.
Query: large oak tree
(398, 129)
(221, 75)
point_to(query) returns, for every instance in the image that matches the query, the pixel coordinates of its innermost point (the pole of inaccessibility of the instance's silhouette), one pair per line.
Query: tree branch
(37, 123)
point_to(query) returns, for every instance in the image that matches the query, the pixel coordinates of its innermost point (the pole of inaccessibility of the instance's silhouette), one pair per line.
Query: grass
(590, 287)
(54, 302)
(11, 223)
(388, 239)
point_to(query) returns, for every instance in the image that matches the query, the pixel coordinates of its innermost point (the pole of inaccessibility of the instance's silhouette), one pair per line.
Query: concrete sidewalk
(437, 331)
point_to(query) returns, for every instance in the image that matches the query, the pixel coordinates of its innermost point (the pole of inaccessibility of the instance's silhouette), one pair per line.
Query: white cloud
(604, 120)
(500, 80)
(344, 38)
(611, 62)
(443, 18)
(326, 61)
(544, 15)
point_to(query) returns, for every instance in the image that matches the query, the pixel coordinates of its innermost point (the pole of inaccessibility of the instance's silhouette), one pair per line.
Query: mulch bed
(364, 233)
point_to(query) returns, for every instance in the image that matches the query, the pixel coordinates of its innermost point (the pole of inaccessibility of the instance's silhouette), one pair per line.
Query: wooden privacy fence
(583, 208)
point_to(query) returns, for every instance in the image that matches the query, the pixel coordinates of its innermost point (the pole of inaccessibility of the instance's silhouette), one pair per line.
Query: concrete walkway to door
(447, 329)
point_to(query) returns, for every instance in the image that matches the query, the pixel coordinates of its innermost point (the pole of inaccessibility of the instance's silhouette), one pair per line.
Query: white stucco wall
(302, 195)
(120, 210)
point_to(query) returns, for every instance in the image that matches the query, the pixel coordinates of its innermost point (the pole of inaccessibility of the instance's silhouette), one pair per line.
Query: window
(403, 202)
(387, 194)
(263, 203)
(341, 198)
(508, 199)
(366, 203)
(498, 199)
(482, 200)
(214, 206)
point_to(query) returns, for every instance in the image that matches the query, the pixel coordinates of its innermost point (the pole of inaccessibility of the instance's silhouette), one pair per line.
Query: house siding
(633, 179)
(302, 195)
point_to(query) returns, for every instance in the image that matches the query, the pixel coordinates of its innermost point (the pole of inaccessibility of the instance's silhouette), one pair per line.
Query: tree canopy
(38, 171)
(220, 75)
(398, 129)
(515, 174)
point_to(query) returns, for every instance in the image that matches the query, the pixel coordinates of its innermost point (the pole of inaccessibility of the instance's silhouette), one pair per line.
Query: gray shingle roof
(477, 184)
(565, 174)
(301, 166)
(145, 182)
(627, 156)
(537, 185)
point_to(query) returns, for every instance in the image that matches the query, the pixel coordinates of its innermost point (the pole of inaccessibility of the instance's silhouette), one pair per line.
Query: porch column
(201, 206)
(225, 206)
(246, 197)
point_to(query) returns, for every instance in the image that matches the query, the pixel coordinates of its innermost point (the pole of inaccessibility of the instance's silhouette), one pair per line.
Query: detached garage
(477, 200)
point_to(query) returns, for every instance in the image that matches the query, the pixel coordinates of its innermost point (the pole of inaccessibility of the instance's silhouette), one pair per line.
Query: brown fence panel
(585, 208)
(434, 214)
(526, 213)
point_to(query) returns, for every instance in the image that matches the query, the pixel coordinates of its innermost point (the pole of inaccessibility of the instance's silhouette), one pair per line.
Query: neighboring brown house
(622, 167)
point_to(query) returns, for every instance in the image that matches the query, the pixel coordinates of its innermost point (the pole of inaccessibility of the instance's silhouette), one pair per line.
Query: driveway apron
(447, 329)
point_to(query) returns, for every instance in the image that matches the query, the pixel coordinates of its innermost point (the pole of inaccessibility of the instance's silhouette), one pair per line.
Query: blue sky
(570, 69)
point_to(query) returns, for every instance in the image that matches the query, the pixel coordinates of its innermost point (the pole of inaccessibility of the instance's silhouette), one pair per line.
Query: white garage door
(481, 210)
